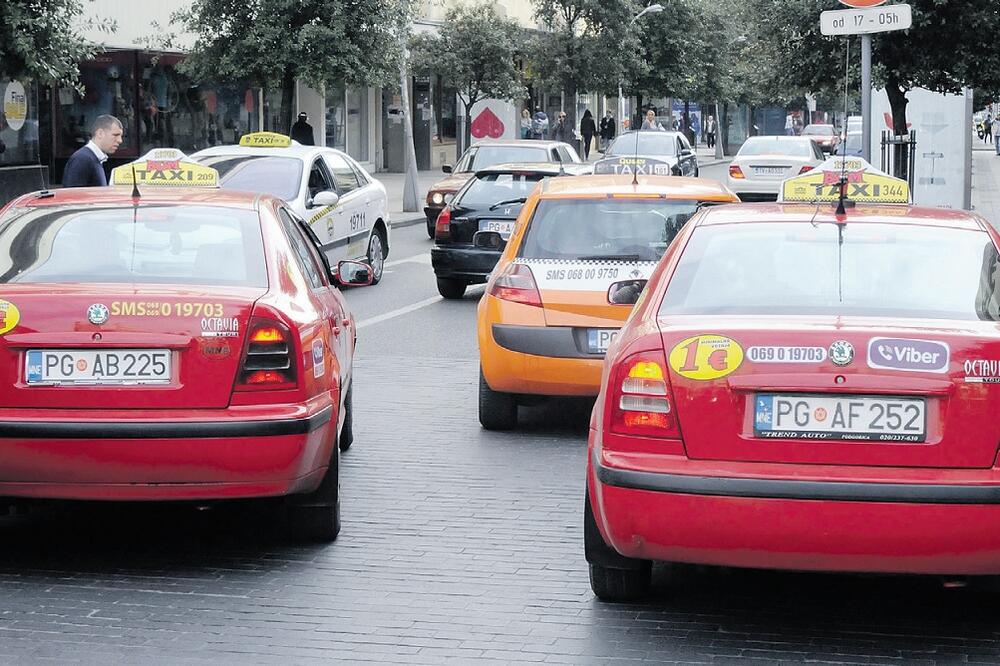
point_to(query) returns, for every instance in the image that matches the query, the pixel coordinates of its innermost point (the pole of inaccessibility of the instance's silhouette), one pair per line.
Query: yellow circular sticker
(706, 357)
(9, 316)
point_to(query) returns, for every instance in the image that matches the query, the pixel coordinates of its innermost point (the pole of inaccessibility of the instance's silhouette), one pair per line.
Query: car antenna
(135, 185)
(635, 162)
(842, 183)
(562, 169)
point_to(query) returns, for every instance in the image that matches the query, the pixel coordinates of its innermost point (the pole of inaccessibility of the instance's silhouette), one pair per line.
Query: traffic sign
(865, 21)
(862, 3)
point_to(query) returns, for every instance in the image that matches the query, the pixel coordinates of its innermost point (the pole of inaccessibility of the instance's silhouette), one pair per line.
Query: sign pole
(866, 97)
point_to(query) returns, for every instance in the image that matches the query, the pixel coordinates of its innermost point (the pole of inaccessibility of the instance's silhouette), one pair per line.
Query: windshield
(883, 270)
(644, 143)
(774, 146)
(819, 130)
(148, 244)
(625, 229)
(489, 189)
(278, 176)
(480, 157)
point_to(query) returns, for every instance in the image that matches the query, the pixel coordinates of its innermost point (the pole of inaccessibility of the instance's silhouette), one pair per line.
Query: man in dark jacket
(302, 131)
(85, 167)
(561, 131)
(607, 129)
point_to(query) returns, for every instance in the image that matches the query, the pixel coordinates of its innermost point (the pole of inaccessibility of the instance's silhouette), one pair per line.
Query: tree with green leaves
(39, 40)
(474, 51)
(276, 42)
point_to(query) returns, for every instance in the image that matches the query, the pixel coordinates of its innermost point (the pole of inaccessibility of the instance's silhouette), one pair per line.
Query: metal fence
(899, 154)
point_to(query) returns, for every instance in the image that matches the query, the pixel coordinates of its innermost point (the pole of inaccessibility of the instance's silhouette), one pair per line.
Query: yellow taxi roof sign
(265, 140)
(165, 167)
(865, 184)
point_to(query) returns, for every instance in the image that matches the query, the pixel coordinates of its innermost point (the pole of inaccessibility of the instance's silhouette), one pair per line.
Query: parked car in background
(824, 135)
(755, 174)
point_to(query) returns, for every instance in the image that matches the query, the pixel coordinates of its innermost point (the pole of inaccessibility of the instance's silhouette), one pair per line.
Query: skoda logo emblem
(97, 313)
(841, 352)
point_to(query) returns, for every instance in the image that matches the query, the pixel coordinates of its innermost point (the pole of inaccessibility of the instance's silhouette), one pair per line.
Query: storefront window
(18, 123)
(336, 100)
(109, 88)
(357, 123)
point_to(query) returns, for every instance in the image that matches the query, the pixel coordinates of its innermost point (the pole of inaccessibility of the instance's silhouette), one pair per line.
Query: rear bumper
(921, 528)
(463, 262)
(754, 190)
(517, 372)
(229, 454)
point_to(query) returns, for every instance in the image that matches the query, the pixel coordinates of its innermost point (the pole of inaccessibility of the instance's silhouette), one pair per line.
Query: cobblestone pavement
(458, 546)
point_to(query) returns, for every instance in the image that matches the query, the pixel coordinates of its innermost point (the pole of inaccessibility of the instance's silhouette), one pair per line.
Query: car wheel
(315, 517)
(613, 577)
(451, 289)
(697, 172)
(430, 228)
(347, 432)
(497, 411)
(376, 255)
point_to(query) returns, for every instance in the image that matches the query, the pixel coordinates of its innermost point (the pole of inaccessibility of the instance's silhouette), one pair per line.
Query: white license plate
(847, 417)
(769, 171)
(598, 339)
(502, 227)
(91, 366)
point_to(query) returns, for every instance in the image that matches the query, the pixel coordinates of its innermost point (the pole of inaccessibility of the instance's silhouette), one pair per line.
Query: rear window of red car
(168, 244)
(863, 269)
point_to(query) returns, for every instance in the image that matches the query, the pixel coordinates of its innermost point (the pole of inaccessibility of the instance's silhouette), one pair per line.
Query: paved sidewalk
(986, 184)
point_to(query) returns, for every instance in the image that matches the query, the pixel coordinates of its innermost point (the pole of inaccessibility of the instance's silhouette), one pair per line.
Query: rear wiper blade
(610, 257)
(508, 201)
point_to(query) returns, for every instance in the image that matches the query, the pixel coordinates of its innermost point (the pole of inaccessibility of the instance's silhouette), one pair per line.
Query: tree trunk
(900, 151)
(287, 100)
(467, 130)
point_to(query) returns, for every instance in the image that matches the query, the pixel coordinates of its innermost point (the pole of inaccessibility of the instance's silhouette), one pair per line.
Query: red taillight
(735, 171)
(269, 359)
(805, 168)
(639, 398)
(517, 284)
(442, 228)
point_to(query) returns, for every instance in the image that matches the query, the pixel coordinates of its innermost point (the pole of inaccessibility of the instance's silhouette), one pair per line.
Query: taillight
(269, 360)
(442, 228)
(640, 401)
(735, 171)
(517, 284)
(805, 168)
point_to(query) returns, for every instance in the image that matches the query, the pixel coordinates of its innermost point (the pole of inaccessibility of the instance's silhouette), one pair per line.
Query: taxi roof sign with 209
(867, 20)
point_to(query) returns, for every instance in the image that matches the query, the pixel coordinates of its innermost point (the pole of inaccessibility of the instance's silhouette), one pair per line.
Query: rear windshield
(613, 229)
(484, 156)
(278, 176)
(645, 143)
(795, 148)
(819, 130)
(489, 189)
(880, 270)
(150, 244)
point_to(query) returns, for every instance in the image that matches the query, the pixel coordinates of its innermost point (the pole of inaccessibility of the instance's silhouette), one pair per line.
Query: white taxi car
(346, 207)
(757, 171)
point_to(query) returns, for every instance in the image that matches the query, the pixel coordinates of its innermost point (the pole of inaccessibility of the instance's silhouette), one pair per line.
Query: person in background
(710, 131)
(525, 124)
(539, 125)
(607, 129)
(650, 123)
(561, 131)
(302, 131)
(588, 128)
(85, 167)
(988, 128)
(996, 133)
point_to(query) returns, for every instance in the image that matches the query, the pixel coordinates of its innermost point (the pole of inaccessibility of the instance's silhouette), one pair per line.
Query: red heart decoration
(487, 124)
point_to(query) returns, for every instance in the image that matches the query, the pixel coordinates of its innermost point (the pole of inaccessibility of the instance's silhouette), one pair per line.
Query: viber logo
(908, 355)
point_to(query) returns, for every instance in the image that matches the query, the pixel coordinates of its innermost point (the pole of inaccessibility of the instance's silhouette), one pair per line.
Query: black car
(670, 147)
(490, 201)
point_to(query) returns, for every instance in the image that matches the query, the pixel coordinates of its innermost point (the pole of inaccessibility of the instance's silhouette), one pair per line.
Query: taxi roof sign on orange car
(166, 167)
(865, 184)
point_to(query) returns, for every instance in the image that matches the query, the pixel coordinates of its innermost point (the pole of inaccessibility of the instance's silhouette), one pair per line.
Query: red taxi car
(185, 344)
(801, 390)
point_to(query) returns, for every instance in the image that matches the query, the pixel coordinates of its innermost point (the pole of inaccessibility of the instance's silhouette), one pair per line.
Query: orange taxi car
(549, 311)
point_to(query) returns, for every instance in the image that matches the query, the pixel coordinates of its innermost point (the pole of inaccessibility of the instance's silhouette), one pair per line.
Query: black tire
(697, 173)
(451, 289)
(613, 577)
(347, 432)
(376, 254)
(430, 228)
(497, 411)
(316, 517)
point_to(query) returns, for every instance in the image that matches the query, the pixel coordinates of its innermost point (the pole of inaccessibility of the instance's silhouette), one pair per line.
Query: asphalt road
(458, 545)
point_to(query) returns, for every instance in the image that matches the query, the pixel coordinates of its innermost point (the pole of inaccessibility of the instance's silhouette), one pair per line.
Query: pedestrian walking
(988, 129)
(539, 125)
(85, 167)
(561, 131)
(995, 127)
(608, 129)
(525, 124)
(302, 131)
(650, 123)
(710, 131)
(588, 128)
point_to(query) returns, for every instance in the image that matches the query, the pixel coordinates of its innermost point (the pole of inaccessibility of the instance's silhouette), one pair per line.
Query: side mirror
(488, 240)
(626, 292)
(685, 152)
(446, 168)
(324, 198)
(354, 273)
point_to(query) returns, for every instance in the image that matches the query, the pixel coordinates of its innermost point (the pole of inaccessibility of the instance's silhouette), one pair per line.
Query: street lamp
(652, 9)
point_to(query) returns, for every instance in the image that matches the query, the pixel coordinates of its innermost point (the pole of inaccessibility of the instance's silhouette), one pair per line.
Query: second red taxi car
(184, 344)
(801, 390)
